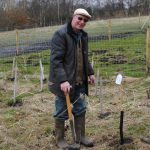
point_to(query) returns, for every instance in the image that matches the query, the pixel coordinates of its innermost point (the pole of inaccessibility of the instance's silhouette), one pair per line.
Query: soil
(30, 126)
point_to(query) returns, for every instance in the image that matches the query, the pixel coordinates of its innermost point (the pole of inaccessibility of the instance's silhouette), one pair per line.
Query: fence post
(109, 29)
(139, 19)
(92, 60)
(97, 81)
(41, 74)
(148, 52)
(17, 42)
(15, 84)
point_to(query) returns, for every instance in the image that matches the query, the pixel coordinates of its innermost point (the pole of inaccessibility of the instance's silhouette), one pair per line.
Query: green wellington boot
(80, 131)
(59, 130)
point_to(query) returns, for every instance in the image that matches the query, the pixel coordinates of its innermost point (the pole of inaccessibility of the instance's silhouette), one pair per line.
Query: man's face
(79, 22)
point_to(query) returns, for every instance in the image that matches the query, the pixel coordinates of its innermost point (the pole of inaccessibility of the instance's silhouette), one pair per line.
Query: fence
(117, 45)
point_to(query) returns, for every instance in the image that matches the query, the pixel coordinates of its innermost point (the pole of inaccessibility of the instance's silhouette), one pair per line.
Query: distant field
(124, 52)
(119, 25)
(98, 27)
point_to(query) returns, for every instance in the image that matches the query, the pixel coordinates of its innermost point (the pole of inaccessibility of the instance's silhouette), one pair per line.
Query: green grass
(139, 129)
(133, 42)
(131, 48)
(119, 25)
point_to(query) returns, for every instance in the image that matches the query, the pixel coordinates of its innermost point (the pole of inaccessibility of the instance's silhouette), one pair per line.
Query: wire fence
(113, 47)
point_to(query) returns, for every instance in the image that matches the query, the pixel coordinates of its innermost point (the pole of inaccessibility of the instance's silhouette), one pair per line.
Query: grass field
(98, 27)
(29, 125)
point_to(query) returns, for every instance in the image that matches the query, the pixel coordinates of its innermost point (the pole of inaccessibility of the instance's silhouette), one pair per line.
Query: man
(70, 72)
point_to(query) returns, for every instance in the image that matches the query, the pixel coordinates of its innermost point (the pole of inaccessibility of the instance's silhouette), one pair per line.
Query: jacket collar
(71, 32)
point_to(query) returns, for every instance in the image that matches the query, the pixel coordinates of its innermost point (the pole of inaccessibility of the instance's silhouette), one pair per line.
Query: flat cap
(81, 11)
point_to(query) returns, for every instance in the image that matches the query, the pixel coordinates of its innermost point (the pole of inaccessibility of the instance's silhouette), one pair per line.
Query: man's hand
(92, 79)
(65, 87)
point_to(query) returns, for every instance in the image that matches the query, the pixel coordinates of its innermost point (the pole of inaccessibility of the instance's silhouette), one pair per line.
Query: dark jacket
(63, 59)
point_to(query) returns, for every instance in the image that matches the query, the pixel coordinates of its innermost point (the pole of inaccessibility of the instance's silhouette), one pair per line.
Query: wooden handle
(69, 106)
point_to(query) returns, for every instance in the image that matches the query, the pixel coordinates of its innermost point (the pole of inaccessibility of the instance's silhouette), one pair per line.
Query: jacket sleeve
(57, 57)
(90, 69)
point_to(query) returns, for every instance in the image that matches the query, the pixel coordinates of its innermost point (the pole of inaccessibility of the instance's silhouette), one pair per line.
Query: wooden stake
(148, 93)
(121, 127)
(139, 19)
(15, 84)
(93, 60)
(13, 67)
(101, 97)
(97, 82)
(41, 74)
(109, 29)
(148, 52)
(17, 42)
(121, 115)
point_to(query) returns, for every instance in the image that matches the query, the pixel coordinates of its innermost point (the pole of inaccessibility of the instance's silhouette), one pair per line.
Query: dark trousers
(79, 104)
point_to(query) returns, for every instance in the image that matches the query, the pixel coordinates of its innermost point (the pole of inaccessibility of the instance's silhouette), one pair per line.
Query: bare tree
(50, 12)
